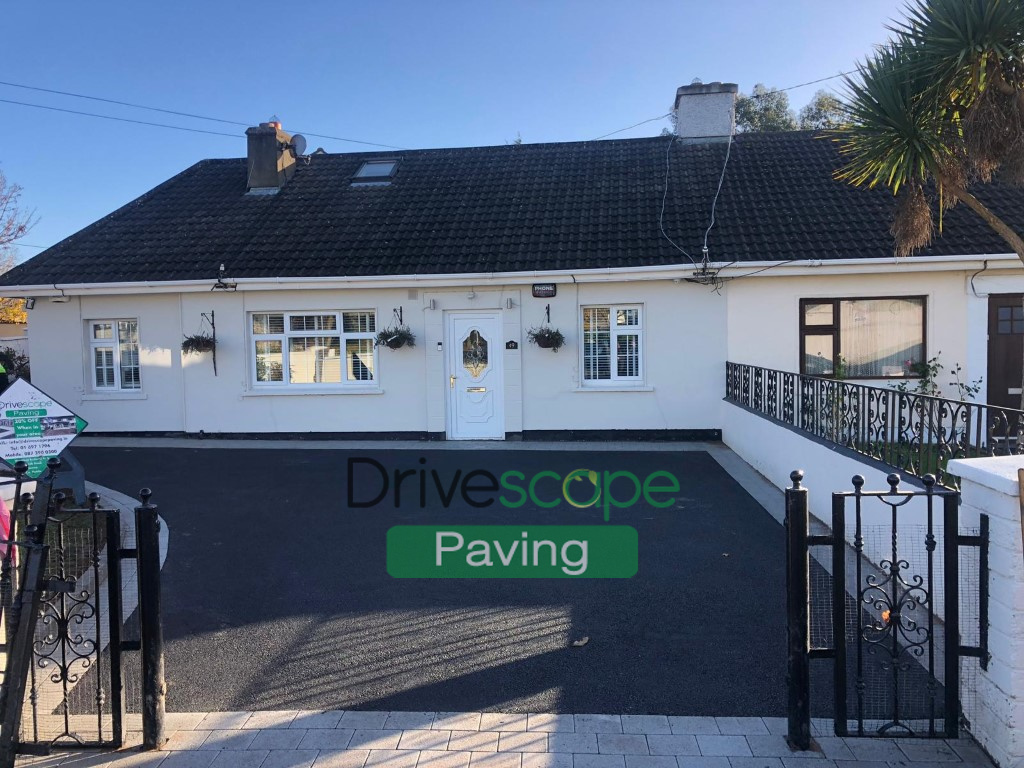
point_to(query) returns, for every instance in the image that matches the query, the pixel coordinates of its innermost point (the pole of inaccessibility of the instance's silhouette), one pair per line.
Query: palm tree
(938, 109)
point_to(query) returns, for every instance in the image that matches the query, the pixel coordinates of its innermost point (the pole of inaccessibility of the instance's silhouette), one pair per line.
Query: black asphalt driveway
(276, 594)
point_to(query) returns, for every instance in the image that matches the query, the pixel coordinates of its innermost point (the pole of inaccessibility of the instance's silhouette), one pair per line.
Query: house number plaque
(511, 345)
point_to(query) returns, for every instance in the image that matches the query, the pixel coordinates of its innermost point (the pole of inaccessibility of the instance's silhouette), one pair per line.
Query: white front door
(475, 386)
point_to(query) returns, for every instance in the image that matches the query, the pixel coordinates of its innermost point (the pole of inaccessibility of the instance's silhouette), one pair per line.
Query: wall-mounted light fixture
(471, 295)
(30, 303)
(439, 346)
(509, 303)
(431, 304)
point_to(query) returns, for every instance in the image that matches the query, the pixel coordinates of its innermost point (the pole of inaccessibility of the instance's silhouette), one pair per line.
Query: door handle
(476, 389)
(451, 381)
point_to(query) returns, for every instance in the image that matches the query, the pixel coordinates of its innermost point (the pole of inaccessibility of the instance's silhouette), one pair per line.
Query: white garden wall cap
(996, 472)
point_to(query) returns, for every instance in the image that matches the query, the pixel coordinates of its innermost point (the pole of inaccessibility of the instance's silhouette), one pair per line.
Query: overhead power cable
(118, 119)
(642, 122)
(801, 85)
(190, 115)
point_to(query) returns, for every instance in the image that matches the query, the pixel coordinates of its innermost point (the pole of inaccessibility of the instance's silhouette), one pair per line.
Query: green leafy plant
(198, 343)
(546, 338)
(928, 374)
(397, 337)
(15, 363)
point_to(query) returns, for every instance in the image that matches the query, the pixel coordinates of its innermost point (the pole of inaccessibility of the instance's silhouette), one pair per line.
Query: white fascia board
(483, 279)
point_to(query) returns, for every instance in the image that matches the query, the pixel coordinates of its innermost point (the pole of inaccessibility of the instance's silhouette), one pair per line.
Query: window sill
(114, 396)
(293, 392)
(616, 388)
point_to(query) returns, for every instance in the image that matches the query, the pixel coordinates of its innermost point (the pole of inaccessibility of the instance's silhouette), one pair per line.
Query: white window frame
(287, 334)
(615, 380)
(114, 342)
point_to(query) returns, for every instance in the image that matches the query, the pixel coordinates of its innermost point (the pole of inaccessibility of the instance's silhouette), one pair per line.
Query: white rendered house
(301, 261)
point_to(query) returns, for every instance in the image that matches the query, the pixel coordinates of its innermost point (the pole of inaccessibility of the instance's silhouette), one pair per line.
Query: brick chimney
(705, 112)
(271, 162)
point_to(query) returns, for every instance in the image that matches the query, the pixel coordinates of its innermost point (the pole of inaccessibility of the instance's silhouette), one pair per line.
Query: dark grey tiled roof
(583, 205)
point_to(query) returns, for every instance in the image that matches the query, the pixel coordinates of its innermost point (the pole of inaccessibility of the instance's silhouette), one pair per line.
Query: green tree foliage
(764, 110)
(824, 111)
(940, 107)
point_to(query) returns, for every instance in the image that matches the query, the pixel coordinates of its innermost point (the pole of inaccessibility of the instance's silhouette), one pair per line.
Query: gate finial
(796, 476)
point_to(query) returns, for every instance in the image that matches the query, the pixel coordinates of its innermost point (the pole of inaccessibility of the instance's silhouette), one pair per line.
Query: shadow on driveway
(276, 594)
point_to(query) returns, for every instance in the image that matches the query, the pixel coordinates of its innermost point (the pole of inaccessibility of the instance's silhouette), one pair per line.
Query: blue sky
(410, 74)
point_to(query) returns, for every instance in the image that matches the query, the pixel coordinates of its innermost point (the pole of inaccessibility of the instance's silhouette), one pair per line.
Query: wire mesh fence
(894, 629)
(76, 680)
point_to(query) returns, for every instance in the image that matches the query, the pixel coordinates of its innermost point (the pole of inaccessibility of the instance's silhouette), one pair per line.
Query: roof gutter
(481, 279)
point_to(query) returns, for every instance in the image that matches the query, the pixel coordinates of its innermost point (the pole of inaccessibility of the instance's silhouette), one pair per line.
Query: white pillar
(990, 486)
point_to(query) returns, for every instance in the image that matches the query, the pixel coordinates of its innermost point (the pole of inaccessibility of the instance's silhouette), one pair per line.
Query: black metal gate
(889, 613)
(66, 687)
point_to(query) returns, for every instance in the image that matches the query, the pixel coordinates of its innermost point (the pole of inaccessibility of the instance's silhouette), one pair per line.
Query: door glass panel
(474, 353)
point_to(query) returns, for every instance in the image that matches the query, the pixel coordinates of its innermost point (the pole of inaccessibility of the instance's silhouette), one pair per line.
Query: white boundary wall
(990, 486)
(775, 451)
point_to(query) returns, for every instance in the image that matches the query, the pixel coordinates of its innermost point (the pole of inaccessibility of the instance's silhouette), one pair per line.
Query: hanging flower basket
(198, 343)
(396, 338)
(546, 338)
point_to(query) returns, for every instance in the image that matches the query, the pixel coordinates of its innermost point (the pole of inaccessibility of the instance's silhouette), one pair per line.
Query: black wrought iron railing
(916, 434)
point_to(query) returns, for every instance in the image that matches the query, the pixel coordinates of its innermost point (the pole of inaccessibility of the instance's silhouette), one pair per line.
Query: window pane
(313, 323)
(596, 318)
(269, 361)
(128, 331)
(818, 314)
(103, 330)
(267, 323)
(597, 340)
(128, 353)
(627, 317)
(627, 348)
(359, 354)
(818, 355)
(881, 337)
(103, 364)
(314, 360)
(359, 322)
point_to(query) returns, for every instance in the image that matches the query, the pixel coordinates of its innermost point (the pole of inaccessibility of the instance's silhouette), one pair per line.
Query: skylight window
(376, 170)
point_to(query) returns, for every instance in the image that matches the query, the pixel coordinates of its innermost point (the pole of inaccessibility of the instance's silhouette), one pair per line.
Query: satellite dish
(299, 144)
